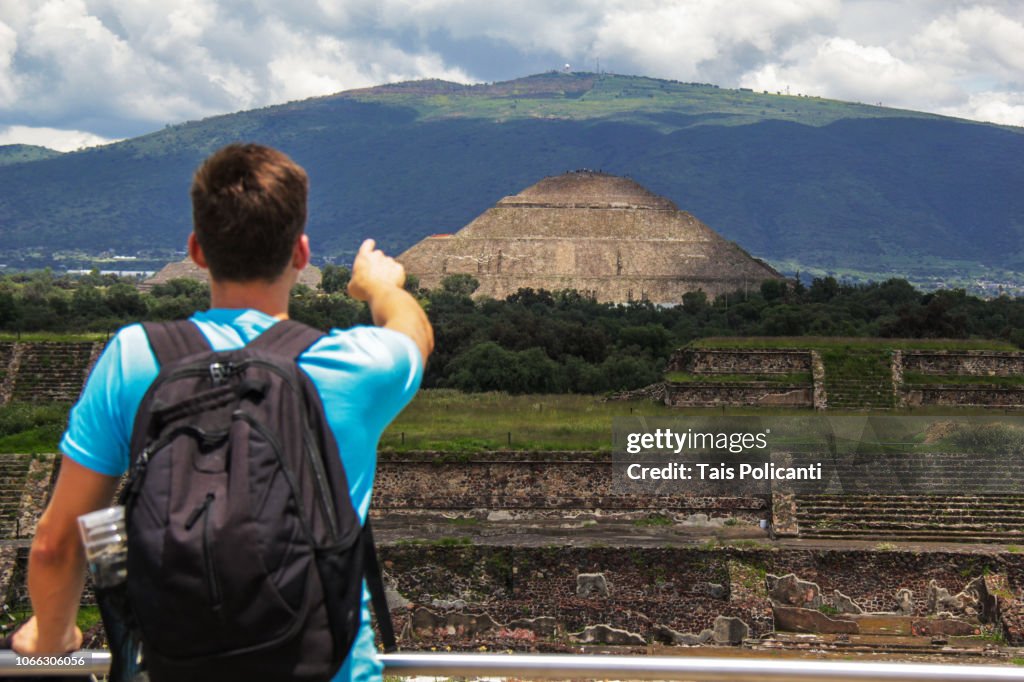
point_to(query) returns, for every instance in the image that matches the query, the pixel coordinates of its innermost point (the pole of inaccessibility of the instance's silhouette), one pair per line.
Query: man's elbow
(417, 327)
(52, 546)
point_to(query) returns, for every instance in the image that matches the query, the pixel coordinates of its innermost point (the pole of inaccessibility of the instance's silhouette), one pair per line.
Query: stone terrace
(13, 476)
(956, 497)
(47, 371)
(944, 518)
(536, 551)
(844, 379)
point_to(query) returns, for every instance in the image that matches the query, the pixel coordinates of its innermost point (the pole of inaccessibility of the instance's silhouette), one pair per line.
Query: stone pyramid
(603, 235)
(186, 269)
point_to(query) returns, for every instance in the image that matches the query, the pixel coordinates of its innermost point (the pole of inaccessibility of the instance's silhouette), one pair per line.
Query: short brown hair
(248, 210)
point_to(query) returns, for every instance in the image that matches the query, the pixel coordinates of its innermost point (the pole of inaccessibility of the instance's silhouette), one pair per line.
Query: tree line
(538, 341)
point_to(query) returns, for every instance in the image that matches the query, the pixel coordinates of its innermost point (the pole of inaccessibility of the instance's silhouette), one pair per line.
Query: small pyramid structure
(603, 235)
(187, 269)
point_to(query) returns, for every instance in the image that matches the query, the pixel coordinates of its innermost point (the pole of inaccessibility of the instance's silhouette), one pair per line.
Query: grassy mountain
(807, 183)
(17, 153)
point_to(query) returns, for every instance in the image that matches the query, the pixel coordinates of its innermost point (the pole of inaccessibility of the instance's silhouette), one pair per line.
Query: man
(249, 212)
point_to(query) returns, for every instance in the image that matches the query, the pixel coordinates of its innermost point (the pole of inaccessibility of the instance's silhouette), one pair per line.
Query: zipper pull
(220, 371)
(137, 473)
(198, 511)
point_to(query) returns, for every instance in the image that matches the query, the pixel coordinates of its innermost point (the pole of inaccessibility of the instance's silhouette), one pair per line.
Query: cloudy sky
(82, 72)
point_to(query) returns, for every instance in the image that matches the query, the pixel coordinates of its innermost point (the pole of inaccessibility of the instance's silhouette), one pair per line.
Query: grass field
(36, 337)
(448, 420)
(462, 423)
(566, 96)
(32, 428)
(444, 420)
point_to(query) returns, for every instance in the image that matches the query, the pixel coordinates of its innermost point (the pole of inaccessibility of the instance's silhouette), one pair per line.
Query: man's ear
(195, 252)
(301, 253)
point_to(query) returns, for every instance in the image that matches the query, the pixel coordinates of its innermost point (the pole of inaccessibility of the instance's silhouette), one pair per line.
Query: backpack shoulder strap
(174, 340)
(288, 338)
(375, 582)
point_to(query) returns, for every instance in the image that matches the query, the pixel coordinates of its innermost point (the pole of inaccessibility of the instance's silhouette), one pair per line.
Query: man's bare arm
(56, 566)
(378, 279)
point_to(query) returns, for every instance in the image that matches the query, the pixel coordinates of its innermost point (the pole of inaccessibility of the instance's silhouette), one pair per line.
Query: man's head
(248, 211)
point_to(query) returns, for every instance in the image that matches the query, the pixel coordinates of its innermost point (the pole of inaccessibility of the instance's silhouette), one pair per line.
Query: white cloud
(843, 69)
(61, 140)
(973, 39)
(102, 64)
(306, 67)
(118, 68)
(8, 46)
(681, 40)
(1006, 108)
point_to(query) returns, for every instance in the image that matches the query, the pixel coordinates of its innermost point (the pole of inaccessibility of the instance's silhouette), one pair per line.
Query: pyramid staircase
(13, 474)
(52, 371)
(856, 380)
(940, 518)
(953, 497)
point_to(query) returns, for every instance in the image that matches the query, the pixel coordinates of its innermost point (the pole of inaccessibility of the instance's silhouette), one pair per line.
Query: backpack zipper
(137, 470)
(219, 370)
(323, 487)
(275, 445)
(212, 585)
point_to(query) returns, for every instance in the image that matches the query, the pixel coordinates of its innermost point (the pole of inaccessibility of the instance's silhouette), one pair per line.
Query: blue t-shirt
(364, 375)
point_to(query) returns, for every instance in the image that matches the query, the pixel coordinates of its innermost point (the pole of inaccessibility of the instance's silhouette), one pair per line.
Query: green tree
(460, 284)
(126, 302)
(334, 279)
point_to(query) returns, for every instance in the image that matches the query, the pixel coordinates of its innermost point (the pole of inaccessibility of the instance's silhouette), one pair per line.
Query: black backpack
(246, 557)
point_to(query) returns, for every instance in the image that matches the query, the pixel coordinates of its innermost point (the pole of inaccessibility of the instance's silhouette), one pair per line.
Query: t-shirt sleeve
(100, 424)
(371, 370)
(396, 385)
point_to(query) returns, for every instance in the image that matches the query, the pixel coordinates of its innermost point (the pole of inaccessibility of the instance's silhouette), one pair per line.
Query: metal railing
(564, 666)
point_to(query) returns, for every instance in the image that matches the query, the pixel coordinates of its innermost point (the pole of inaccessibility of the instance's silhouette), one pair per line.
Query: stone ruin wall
(555, 597)
(753, 393)
(754, 361)
(961, 363)
(696, 361)
(967, 363)
(961, 396)
(696, 394)
(549, 598)
(550, 483)
(771, 361)
(75, 369)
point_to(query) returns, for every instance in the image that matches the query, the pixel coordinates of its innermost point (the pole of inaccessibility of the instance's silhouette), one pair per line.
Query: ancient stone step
(908, 521)
(1001, 537)
(914, 508)
(916, 526)
(927, 499)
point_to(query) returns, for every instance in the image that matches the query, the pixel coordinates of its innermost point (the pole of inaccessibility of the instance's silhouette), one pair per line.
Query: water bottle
(106, 553)
(106, 545)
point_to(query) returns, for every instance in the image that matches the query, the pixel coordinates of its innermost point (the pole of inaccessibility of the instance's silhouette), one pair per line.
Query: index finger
(367, 246)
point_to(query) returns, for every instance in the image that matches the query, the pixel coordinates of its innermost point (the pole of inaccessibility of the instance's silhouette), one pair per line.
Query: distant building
(186, 269)
(603, 235)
